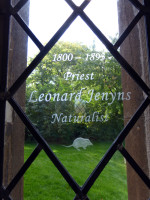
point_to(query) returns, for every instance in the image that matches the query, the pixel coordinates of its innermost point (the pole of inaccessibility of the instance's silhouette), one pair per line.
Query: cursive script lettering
(110, 97)
(95, 117)
(77, 77)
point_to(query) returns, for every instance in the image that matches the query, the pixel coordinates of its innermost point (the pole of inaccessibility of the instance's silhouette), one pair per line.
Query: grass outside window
(43, 181)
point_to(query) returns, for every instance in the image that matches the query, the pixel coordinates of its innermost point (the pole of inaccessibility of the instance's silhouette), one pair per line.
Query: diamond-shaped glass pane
(75, 99)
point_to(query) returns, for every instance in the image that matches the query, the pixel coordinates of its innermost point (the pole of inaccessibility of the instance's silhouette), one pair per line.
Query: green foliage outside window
(74, 81)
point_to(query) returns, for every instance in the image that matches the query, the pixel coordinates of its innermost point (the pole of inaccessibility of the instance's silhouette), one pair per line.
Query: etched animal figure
(80, 143)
